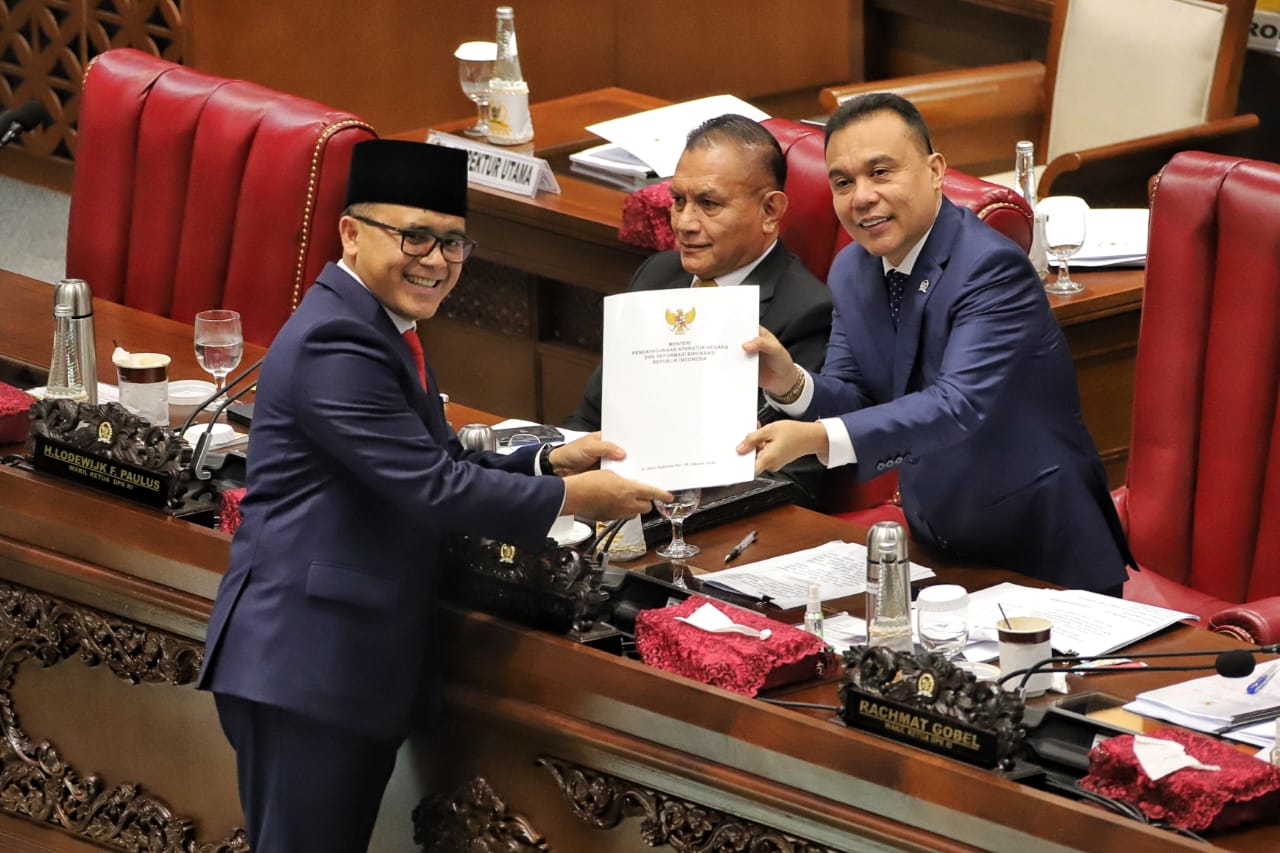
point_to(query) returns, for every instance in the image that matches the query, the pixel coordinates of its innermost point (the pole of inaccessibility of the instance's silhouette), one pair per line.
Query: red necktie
(415, 349)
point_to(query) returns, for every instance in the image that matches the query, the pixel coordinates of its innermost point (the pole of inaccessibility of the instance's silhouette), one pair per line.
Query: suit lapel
(920, 289)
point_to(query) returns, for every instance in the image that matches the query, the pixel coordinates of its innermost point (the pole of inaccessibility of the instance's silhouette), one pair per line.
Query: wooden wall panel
(679, 49)
(391, 61)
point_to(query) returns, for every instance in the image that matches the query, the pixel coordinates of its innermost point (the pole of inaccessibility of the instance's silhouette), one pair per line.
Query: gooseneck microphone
(17, 121)
(1230, 663)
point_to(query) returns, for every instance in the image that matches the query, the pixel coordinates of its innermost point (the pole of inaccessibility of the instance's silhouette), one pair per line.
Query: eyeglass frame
(437, 240)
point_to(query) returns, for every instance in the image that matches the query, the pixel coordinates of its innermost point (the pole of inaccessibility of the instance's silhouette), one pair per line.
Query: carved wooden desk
(545, 744)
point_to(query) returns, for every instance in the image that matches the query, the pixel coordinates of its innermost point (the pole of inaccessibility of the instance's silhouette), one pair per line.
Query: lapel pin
(924, 286)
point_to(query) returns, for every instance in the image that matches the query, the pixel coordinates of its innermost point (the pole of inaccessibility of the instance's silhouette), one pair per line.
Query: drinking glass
(475, 67)
(219, 345)
(1064, 235)
(686, 501)
(942, 619)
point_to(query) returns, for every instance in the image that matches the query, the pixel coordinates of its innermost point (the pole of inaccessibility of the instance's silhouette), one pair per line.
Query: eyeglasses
(418, 242)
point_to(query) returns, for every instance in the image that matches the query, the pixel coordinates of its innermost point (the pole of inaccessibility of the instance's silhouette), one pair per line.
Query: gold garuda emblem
(680, 320)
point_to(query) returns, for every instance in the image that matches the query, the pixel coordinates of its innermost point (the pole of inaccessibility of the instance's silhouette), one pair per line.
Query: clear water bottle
(509, 121)
(1024, 171)
(73, 367)
(888, 587)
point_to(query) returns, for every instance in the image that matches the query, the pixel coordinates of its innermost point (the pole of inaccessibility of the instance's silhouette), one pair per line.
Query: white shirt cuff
(839, 445)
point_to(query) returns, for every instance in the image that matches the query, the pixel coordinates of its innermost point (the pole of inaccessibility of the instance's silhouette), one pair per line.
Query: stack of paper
(1113, 237)
(839, 568)
(655, 138)
(1214, 704)
(613, 164)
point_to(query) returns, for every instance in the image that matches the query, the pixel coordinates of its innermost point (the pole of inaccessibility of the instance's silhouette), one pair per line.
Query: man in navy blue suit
(947, 364)
(321, 646)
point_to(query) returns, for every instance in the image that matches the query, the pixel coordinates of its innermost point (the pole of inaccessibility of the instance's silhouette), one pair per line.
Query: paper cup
(1023, 642)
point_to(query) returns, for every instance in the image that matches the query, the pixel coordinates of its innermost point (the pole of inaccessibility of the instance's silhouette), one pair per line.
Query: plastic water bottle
(509, 121)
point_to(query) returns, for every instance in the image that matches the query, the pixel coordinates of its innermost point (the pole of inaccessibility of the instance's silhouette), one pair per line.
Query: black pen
(740, 547)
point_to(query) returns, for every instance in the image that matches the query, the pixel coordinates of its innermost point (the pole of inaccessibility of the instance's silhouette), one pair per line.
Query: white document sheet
(839, 568)
(657, 137)
(678, 391)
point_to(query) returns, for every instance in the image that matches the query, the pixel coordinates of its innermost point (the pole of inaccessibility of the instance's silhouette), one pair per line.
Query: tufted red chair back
(1202, 497)
(810, 228)
(193, 191)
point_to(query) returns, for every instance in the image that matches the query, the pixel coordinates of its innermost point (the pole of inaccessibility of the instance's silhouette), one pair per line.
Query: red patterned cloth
(1244, 790)
(646, 217)
(735, 662)
(229, 515)
(15, 420)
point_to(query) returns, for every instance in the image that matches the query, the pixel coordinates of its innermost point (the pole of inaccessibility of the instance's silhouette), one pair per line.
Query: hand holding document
(678, 390)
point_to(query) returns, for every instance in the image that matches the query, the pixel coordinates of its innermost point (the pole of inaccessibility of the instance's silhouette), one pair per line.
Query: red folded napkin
(15, 420)
(734, 662)
(1243, 790)
(229, 514)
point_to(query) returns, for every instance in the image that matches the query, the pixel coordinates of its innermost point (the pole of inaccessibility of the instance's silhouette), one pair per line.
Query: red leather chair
(1202, 495)
(193, 191)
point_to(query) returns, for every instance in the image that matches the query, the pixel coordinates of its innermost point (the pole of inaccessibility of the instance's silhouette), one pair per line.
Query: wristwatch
(544, 460)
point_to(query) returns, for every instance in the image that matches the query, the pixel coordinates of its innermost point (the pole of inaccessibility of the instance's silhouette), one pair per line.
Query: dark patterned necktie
(415, 349)
(897, 281)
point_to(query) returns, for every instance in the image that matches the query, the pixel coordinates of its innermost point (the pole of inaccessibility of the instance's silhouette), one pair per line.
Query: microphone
(209, 400)
(1230, 663)
(202, 446)
(26, 117)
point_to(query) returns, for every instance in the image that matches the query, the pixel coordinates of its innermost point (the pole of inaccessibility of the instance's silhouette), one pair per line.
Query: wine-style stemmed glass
(686, 501)
(475, 68)
(219, 345)
(1064, 229)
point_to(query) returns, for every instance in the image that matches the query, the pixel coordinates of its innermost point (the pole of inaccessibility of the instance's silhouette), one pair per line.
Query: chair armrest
(1255, 622)
(1117, 175)
(974, 114)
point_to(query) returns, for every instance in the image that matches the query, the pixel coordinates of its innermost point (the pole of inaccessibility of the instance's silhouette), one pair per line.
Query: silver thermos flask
(888, 587)
(75, 351)
(478, 437)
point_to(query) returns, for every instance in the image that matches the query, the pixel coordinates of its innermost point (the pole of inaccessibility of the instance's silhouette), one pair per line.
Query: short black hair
(858, 108)
(744, 133)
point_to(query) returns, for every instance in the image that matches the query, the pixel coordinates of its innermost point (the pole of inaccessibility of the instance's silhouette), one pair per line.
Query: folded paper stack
(729, 659)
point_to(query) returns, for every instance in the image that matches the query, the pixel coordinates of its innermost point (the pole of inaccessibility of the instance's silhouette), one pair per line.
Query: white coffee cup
(1023, 642)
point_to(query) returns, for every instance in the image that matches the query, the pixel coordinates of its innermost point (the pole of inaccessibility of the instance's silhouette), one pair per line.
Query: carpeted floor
(33, 229)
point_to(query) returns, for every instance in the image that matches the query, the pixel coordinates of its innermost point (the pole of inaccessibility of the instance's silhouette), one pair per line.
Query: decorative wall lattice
(45, 46)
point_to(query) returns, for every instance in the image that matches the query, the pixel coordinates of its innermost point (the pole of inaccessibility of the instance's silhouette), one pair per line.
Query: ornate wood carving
(603, 801)
(45, 45)
(36, 782)
(473, 818)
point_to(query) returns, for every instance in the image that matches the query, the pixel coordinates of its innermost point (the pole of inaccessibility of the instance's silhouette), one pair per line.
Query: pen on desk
(740, 547)
(1262, 680)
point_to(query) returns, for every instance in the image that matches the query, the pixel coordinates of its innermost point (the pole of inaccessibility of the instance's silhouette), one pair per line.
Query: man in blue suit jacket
(321, 646)
(946, 363)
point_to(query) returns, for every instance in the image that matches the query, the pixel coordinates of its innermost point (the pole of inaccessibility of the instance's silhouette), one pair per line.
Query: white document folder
(678, 391)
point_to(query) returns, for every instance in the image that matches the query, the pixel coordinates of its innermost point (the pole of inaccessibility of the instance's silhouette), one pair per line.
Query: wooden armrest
(963, 94)
(1118, 175)
(974, 114)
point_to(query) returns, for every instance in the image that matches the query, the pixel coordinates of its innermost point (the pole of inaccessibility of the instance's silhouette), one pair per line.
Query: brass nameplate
(117, 477)
(933, 732)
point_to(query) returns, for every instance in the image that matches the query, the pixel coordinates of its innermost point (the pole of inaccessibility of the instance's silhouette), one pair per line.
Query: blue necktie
(897, 281)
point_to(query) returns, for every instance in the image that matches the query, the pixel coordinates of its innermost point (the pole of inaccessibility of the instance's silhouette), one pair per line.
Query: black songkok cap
(413, 174)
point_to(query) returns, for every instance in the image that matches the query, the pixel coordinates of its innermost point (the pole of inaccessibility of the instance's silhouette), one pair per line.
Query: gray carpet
(33, 230)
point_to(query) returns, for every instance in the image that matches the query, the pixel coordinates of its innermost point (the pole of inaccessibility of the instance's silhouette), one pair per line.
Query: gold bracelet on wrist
(795, 391)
